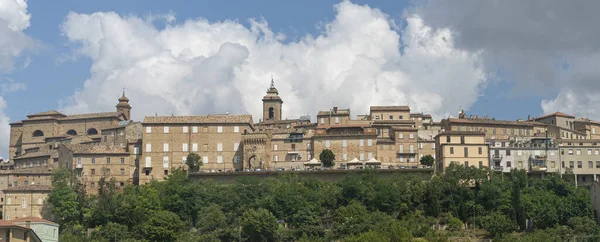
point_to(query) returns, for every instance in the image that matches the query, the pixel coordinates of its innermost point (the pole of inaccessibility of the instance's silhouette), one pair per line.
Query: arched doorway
(252, 162)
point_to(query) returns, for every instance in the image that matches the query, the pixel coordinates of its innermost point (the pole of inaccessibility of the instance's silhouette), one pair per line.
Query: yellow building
(26, 201)
(461, 147)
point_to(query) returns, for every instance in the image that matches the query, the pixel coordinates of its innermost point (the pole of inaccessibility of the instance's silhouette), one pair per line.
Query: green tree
(193, 162)
(327, 158)
(162, 226)
(211, 218)
(427, 160)
(64, 199)
(371, 236)
(498, 224)
(519, 181)
(259, 225)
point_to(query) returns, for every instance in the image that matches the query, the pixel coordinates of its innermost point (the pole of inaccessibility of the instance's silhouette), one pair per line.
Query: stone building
(562, 126)
(48, 127)
(534, 155)
(167, 140)
(492, 128)
(346, 141)
(582, 157)
(26, 201)
(461, 147)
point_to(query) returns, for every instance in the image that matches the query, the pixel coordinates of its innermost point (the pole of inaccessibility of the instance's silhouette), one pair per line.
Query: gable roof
(54, 115)
(46, 113)
(559, 114)
(32, 220)
(207, 119)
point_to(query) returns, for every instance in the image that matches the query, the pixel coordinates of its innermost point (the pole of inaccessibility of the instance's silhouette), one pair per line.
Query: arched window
(92, 131)
(38, 133)
(72, 132)
(271, 113)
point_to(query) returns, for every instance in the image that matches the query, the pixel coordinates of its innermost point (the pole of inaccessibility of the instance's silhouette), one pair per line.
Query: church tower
(272, 104)
(124, 106)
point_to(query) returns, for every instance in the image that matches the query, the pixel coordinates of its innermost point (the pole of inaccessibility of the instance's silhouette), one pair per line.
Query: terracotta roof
(390, 108)
(212, 119)
(491, 121)
(29, 188)
(83, 149)
(33, 220)
(41, 153)
(47, 113)
(340, 112)
(93, 115)
(555, 114)
(4, 224)
(461, 133)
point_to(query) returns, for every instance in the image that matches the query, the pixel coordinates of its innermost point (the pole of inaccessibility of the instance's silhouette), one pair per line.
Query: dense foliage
(427, 160)
(463, 203)
(327, 158)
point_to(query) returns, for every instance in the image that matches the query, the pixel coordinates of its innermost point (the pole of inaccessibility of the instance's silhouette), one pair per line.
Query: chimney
(28, 224)
(334, 109)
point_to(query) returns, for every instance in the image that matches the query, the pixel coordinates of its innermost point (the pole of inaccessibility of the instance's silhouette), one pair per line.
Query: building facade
(26, 201)
(466, 148)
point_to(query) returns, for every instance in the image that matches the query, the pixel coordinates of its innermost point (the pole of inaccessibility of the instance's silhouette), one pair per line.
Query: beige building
(582, 157)
(492, 128)
(167, 140)
(461, 147)
(25, 201)
(12, 232)
(346, 141)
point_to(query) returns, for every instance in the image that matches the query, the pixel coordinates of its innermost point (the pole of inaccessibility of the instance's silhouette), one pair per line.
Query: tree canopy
(327, 158)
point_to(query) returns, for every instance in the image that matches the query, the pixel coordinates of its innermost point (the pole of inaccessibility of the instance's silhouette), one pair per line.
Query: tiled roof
(330, 112)
(398, 121)
(81, 149)
(93, 115)
(4, 224)
(46, 113)
(41, 153)
(461, 133)
(211, 119)
(555, 114)
(28, 171)
(33, 220)
(390, 108)
(29, 188)
(490, 121)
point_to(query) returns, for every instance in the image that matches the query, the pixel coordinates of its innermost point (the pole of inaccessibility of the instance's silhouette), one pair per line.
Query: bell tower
(124, 106)
(272, 104)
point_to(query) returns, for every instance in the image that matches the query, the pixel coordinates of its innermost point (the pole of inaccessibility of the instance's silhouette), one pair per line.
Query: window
(166, 162)
(344, 143)
(136, 150)
(195, 129)
(78, 161)
(589, 151)
(391, 117)
(370, 142)
(411, 136)
(345, 156)
(107, 160)
(205, 159)
(93, 160)
(597, 164)
(571, 164)
(579, 165)
(40, 201)
(362, 156)
(275, 147)
(590, 164)
(420, 146)
(195, 147)
(236, 129)
(570, 152)
(376, 117)
(362, 142)
(236, 159)
(466, 163)
(219, 146)
(166, 147)
(236, 146)
(220, 129)
(480, 164)
(552, 164)
(480, 150)
(107, 172)
(369, 155)
(166, 172)
(593, 130)
(166, 129)
(185, 129)
(219, 159)
(337, 120)
(122, 172)
(519, 152)
(185, 147)
(451, 150)
(401, 148)
(8, 201)
(597, 152)
(433, 146)
(412, 149)
(400, 117)
(327, 144)
(520, 164)
(578, 152)
(148, 129)
(507, 152)
(401, 135)
(93, 172)
(466, 151)
(122, 160)
(24, 203)
(447, 139)
(552, 153)
(462, 139)
(148, 147)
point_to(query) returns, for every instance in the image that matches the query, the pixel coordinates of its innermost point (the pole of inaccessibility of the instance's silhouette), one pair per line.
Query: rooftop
(461, 133)
(559, 114)
(28, 188)
(209, 119)
(41, 153)
(331, 112)
(54, 115)
(491, 121)
(32, 220)
(390, 108)
(83, 149)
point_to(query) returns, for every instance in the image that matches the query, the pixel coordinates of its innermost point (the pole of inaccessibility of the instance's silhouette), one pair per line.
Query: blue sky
(505, 60)
(48, 79)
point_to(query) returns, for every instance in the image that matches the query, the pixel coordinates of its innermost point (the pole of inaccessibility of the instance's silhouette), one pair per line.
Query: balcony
(498, 168)
(497, 157)
(539, 168)
(79, 166)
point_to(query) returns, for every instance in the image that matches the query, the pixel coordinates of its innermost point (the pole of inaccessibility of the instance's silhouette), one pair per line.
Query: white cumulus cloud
(197, 67)
(13, 20)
